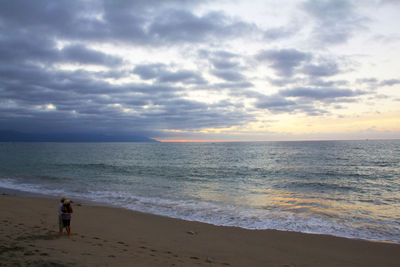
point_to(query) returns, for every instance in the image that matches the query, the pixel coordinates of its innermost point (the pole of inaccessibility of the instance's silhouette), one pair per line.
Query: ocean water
(342, 188)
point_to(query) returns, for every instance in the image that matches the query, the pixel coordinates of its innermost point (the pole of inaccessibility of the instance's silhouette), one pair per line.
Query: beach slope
(106, 236)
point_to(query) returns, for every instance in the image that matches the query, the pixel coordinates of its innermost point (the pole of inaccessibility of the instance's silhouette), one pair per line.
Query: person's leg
(60, 224)
(67, 226)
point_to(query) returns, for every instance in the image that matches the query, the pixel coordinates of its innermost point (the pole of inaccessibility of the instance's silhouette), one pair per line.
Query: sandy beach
(106, 236)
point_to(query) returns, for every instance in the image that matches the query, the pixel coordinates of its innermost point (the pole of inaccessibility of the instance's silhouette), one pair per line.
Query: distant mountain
(14, 136)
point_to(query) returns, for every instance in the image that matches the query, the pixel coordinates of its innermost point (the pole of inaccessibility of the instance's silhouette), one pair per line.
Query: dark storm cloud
(336, 21)
(284, 61)
(161, 73)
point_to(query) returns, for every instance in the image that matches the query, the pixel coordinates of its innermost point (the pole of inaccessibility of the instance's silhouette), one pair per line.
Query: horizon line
(247, 141)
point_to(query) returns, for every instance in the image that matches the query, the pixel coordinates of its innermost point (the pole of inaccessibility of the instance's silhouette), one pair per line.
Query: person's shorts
(66, 222)
(60, 222)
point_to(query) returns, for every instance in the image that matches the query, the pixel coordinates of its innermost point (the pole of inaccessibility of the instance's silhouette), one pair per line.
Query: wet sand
(106, 236)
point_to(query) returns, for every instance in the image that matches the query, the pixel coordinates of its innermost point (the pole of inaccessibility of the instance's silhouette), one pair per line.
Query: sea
(342, 188)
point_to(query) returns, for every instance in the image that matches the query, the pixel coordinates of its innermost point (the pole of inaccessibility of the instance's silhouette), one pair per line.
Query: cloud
(79, 101)
(277, 33)
(29, 47)
(224, 64)
(229, 75)
(149, 71)
(161, 73)
(275, 102)
(390, 82)
(221, 60)
(320, 94)
(309, 100)
(284, 61)
(374, 82)
(336, 21)
(232, 85)
(82, 100)
(135, 22)
(320, 70)
(81, 54)
(280, 104)
(390, 2)
(63, 67)
(182, 25)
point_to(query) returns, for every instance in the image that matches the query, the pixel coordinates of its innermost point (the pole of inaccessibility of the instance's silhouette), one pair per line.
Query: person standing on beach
(60, 221)
(66, 215)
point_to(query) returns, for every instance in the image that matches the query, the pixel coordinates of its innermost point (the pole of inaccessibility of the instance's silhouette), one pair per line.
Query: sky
(202, 70)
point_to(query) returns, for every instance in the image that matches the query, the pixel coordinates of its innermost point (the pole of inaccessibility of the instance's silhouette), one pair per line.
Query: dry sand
(106, 236)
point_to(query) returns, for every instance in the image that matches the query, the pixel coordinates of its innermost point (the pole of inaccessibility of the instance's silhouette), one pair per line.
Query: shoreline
(111, 236)
(80, 201)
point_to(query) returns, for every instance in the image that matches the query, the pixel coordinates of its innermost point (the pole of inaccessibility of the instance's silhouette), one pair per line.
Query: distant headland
(15, 136)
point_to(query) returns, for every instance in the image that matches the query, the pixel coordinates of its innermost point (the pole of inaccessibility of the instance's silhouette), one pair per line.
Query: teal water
(342, 188)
